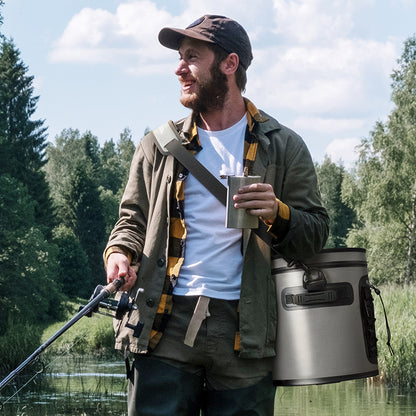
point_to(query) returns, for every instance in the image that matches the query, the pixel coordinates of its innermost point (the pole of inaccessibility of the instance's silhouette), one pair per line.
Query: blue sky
(321, 67)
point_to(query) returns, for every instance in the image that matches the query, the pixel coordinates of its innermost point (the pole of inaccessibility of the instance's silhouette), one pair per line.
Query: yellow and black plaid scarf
(177, 234)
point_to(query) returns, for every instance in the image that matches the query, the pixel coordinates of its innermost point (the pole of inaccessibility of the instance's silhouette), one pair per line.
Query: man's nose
(182, 68)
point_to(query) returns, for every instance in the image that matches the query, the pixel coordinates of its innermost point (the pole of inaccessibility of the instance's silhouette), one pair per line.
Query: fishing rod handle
(115, 285)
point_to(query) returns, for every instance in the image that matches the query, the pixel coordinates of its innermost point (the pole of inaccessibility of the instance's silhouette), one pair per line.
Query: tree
(88, 220)
(115, 165)
(73, 262)
(383, 192)
(22, 140)
(110, 168)
(29, 291)
(86, 183)
(72, 170)
(125, 150)
(330, 177)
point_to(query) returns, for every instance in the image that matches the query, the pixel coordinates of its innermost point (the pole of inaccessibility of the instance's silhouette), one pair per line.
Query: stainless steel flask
(239, 218)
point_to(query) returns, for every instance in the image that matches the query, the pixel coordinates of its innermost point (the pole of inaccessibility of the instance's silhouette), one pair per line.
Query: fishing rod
(96, 300)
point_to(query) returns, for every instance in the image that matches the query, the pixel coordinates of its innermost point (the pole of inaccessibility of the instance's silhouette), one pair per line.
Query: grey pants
(209, 377)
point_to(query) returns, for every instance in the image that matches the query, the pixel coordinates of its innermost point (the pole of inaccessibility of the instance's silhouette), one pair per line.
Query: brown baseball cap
(224, 32)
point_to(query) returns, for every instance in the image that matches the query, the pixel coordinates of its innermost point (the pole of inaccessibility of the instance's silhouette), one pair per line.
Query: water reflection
(78, 386)
(357, 397)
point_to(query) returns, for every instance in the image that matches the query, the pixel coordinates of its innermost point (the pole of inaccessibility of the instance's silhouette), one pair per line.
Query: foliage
(22, 139)
(125, 151)
(73, 163)
(73, 262)
(86, 183)
(383, 191)
(115, 164)
(330, 178)
(28, 290)
(110, 203)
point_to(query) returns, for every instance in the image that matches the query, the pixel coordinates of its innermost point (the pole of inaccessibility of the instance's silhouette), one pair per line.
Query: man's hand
(258, 199)
(118, 266)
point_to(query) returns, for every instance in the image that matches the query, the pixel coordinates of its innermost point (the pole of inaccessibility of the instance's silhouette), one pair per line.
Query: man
(208, 304)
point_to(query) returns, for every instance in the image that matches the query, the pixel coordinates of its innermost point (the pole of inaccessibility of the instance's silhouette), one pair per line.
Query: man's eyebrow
(187, 51)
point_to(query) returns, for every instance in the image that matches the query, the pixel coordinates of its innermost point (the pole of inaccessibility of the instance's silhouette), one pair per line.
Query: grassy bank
(90, 335)
(399, 369)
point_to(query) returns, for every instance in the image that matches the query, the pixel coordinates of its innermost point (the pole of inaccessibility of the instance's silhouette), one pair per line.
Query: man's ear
(230, 64)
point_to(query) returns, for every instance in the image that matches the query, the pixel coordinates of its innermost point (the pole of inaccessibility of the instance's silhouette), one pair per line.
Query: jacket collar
(258, 122)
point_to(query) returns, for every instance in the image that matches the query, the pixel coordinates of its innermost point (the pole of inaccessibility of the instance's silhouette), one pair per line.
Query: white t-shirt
(213, 260)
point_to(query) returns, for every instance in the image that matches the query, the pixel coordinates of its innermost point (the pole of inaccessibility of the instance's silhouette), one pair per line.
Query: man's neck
(220, 119)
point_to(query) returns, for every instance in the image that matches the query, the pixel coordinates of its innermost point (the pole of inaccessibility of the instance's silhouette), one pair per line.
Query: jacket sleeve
(306, 231)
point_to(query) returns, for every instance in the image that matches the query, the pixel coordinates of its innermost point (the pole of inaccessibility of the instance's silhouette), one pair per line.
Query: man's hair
(240, 75)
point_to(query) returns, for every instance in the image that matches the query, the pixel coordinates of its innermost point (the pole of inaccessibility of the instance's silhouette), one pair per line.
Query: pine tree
(29, 291)
(22, 140)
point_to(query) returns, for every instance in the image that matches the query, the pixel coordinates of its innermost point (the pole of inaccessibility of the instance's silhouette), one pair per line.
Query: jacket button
(169, 179)
(161, 262)
(150, 302)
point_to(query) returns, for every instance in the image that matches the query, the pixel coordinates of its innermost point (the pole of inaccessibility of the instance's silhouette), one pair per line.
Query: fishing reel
(116, 308)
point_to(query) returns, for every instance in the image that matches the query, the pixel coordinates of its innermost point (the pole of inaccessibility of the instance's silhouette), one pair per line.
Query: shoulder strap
(169, 141)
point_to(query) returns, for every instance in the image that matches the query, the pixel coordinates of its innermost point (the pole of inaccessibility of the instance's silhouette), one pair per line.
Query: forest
(59, 200)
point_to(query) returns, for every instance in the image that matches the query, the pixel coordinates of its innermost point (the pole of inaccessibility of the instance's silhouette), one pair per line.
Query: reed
(19, 341)
(74, 384)
(398, 370)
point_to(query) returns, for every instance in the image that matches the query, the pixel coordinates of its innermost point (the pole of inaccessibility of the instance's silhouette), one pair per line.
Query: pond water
(81, 387)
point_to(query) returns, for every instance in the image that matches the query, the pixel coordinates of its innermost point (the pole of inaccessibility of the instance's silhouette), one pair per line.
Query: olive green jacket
(283, 161)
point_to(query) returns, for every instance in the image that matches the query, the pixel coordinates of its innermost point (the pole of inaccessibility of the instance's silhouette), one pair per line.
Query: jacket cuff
(115, 249)
(280, 226)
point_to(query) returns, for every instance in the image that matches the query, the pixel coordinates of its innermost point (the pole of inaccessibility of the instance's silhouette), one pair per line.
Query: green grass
(94, 335)
(400, 369)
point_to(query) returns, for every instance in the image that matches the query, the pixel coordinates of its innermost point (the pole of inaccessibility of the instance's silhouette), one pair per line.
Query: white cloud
(312, 21)
(336, 78)
(316, 66)
(332, 126)
(344, 150)
(126, 37)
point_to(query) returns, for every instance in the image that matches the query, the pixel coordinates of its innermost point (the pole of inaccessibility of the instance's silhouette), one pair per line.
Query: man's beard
(211, 93)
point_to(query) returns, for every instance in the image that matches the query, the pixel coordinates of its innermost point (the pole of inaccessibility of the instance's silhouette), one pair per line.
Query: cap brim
(172, 38)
